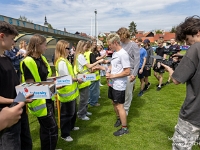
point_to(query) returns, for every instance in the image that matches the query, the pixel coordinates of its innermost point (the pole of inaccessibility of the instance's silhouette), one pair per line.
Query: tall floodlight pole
(91, 28)
(95, 24)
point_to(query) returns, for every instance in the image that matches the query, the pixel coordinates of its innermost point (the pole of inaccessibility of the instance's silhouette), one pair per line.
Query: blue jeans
(17, 137)
(94, 93)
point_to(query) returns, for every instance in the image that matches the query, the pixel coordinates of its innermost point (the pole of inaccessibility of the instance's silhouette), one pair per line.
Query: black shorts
(140, 76)
(116, 96)
(147, 72)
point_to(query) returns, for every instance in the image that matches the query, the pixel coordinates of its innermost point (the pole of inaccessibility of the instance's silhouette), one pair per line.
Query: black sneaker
(117, 123)
(158, 88)
(145, 87)
(120, 132)
(148, 85)
(167, 83)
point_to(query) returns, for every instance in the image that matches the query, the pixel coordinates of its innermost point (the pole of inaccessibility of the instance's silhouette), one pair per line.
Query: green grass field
(151, 122)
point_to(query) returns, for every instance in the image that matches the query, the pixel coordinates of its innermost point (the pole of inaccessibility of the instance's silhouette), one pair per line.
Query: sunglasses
(67, 48)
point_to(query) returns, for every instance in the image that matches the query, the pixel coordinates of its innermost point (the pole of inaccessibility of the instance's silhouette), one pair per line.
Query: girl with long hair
(94, 88)
(22, 47)
(67, 95)
(81, 66)
(35, 68)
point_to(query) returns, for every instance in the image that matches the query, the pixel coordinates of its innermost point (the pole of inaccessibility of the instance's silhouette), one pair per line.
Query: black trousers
(48, 129)
(67, 117)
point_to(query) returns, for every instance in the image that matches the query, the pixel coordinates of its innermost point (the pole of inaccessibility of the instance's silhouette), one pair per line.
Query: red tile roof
(166, 36)
(151, 39)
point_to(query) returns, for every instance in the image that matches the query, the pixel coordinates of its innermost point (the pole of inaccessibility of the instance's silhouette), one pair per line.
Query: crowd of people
(129, 60)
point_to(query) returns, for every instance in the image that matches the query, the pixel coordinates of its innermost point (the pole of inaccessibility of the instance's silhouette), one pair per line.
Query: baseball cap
(146, 41)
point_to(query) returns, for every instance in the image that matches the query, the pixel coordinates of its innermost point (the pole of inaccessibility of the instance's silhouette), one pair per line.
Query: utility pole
(95, 24)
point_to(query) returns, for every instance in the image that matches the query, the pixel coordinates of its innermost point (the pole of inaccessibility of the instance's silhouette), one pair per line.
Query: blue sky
(76, 15)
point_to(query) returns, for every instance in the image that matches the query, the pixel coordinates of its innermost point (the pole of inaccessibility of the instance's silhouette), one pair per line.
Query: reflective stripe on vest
(68, 94)
(38, 107)
(87, 56)
(83, 71)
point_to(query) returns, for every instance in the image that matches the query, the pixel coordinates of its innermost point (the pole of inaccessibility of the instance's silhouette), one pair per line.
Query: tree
(173, 30)
(23, 18)
(49, 26)
(158, 31)
(132, 28)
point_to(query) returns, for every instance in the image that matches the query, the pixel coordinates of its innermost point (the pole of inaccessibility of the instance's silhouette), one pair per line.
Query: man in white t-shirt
(117, 76)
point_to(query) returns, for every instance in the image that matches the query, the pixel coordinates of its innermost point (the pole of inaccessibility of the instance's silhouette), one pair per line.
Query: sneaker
(89, 114)
(145, 88)
(117, 123)
(161, 85)
(167, 83)
(97, 104)
(158, 88)
(68, 139)
(85, 118)
(148, 85)
(140, 94)
(120, 132)
(76, 128)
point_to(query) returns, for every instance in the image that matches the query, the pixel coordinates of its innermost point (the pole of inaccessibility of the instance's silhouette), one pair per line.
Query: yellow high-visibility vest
(38, 107)
(69, 92)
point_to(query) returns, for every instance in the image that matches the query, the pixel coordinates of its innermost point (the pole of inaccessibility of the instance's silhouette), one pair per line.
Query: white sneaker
(68, 139)
(85, 118)
(89, 114)
(76, 128)
(100, 84)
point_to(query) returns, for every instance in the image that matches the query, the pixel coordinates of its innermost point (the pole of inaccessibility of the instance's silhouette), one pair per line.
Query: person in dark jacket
(15, 57)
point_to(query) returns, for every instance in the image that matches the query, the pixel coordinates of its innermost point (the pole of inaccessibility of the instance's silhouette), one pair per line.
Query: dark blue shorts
(142, 75)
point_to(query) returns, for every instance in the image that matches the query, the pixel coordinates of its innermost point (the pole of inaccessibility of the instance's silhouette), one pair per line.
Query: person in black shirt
(95, 86)
(173, 47)
(35, 68)
(13, 138)
(158, 69)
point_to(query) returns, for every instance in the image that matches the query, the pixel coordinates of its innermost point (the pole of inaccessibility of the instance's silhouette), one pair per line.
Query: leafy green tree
(49, 26)
(173, 30)
(132, 28)
(158, 31)
(24, 18)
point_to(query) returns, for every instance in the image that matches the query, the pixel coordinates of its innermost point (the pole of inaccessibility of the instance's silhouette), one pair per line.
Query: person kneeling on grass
(117, 74)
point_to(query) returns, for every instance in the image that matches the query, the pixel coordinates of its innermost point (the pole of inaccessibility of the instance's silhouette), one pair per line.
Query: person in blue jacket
(15, 57)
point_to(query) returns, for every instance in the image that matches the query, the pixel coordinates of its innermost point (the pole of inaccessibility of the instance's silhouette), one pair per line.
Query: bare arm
(144, 62)
(89, 66)
(101, 57)
(125, 72)
(4, 100)
(171, 71)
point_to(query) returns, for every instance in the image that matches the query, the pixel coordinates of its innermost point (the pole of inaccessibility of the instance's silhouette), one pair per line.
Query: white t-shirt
(23, 51)
(81, 61)
(119, 61)
(102, 52)
(62, 68)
